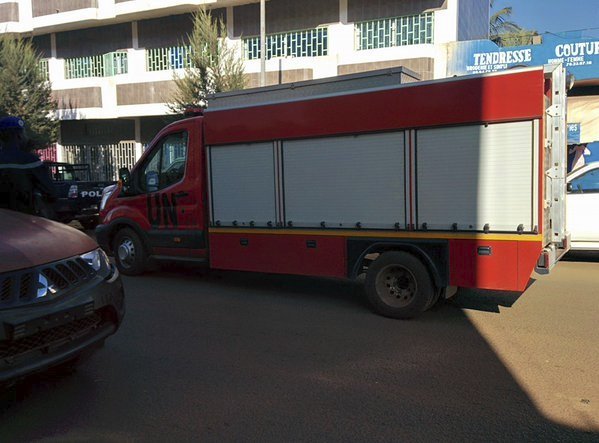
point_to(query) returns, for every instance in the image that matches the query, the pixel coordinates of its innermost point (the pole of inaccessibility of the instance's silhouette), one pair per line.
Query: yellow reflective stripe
(383, 234)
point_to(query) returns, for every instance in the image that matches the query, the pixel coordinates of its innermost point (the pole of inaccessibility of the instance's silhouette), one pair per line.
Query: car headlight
(99, 262)
(106, 193)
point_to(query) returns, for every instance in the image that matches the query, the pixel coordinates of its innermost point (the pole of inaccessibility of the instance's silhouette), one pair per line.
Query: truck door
(170, 187)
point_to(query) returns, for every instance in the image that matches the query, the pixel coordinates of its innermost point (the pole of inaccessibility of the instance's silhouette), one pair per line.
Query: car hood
(27, 241)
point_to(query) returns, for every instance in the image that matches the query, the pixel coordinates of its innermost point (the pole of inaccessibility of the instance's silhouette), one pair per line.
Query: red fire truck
(421, 186)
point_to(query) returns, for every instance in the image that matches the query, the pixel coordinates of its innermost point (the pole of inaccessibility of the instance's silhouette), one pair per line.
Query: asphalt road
(245, 357)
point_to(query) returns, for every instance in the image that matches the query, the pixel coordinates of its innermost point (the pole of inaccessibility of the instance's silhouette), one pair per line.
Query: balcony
(106, 65)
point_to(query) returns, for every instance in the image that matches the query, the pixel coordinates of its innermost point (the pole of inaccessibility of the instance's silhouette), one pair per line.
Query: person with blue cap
(25, 183)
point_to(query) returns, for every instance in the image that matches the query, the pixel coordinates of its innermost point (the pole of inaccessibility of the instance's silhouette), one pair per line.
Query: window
(166, 165)
(587, 182)
(396, 31)
(163, 59)
(306, 43)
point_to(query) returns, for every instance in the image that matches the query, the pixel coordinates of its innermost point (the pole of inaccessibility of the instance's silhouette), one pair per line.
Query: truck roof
(312, 88)
(370, 81)
(477, 98)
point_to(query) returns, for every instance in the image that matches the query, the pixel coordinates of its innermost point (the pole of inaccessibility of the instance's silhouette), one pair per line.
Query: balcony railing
(306, 43)
(397, 31)
(106, 65)
(165, 59)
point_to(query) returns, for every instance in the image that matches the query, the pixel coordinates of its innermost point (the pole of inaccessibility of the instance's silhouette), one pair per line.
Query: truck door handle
(182, 194)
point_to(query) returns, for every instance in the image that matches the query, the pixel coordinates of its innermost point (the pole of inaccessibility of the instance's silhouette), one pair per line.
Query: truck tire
(129, 253)
(398, 285)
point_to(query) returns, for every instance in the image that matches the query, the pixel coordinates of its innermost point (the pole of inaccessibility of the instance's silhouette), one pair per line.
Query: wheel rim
(126, 252)
(396, 286)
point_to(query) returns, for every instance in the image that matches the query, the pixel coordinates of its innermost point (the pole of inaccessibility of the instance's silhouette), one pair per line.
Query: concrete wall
(9, 12)
(285, 15)
(78, 98)
(144, 93)
(363, 10)
(473, 19)
(49, 7)
(93, 41)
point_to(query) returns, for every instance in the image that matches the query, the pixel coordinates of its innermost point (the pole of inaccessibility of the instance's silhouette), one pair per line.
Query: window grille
(164, 59)
(105, 65)
(115, 63)
(397, 31)
(306, 43)
(105, 160)
(43, 68)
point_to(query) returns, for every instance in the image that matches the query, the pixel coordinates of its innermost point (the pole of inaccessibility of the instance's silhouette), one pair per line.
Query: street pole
(262, 42)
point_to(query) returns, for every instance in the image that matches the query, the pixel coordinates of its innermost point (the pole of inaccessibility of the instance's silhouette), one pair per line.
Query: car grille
(51, 337)
(21, 287)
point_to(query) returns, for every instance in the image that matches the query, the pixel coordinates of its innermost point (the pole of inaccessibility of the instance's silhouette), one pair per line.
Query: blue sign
(580, 56)
(573, 133)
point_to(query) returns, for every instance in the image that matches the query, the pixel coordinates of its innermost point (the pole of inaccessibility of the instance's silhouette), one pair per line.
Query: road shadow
(486, 301)
(582, 256)
(232, 356)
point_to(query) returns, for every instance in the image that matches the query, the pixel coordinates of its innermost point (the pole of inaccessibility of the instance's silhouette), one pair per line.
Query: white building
(111, 62)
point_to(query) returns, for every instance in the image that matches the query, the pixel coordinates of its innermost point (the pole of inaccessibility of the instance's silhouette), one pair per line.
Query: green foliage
(505, 32)
(24, 91)
(214, 66)
(522, 37)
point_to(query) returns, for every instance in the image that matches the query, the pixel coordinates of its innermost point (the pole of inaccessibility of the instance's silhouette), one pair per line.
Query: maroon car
(59, 295)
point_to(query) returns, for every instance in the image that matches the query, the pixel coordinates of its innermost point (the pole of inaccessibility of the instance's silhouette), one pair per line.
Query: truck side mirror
(569, 187)
(125, 176)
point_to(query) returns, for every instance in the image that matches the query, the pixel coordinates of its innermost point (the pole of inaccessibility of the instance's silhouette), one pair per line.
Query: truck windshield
(66, 172)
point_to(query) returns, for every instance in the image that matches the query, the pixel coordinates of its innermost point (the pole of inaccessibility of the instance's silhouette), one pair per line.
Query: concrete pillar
(262, 42)
(343, 11)
(230, 22)
(134, 35)
(138, 144)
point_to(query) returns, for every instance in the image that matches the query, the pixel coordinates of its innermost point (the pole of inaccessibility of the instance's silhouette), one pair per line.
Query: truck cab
(77, 195)
(158, 209)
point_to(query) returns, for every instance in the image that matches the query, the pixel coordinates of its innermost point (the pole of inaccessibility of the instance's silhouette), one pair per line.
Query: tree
(212, 64)
(25, 92)
(505, 32)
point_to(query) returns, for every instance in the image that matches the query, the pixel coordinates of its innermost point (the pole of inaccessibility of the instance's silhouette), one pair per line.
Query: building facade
(111, 62)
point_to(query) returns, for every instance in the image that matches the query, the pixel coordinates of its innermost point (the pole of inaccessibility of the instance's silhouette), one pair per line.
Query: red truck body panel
(325, 252)
(480, 99)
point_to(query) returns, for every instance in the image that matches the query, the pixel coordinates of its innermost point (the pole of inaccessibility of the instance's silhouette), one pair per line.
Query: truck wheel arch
(118, 225)
(437, 269)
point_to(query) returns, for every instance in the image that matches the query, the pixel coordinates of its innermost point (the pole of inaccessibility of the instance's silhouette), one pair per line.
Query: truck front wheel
(398, 285)
(129, 253)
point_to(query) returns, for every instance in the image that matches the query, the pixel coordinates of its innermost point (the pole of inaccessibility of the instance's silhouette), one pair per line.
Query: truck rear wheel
(398, 285)
(129, 252)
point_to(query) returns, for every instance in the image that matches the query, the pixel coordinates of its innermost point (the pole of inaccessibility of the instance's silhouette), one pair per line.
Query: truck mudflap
(551, 254)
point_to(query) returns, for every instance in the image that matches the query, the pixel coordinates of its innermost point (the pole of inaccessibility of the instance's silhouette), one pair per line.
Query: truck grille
(23, 287)
(50, 337)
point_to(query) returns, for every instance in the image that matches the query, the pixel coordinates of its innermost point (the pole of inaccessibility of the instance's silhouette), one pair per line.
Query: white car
(583, 207)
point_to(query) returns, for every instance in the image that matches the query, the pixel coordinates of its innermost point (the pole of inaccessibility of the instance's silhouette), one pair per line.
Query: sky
(554, 15)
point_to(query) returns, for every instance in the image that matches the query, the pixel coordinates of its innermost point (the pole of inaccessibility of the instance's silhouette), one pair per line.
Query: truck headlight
(106, 193)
